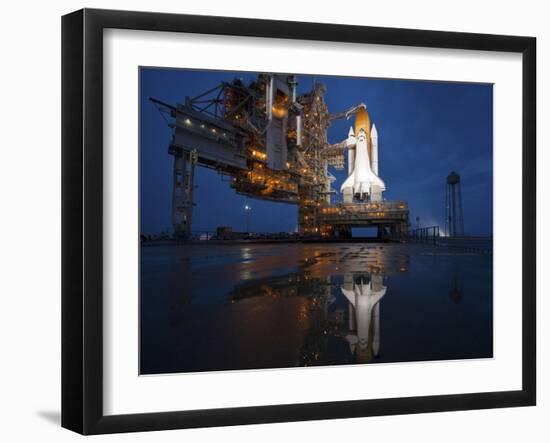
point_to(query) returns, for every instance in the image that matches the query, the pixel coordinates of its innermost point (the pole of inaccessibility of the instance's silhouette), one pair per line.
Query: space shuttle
(363, 183)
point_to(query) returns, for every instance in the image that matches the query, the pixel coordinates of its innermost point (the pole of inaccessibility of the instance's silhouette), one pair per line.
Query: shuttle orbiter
(363, 183)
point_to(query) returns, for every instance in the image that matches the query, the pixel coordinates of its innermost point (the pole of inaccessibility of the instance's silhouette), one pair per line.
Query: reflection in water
(360, 273)
(364, 292)
(269, 306)
(455, 292)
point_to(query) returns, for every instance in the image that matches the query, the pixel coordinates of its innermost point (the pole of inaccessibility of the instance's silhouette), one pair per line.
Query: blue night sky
(425, 130)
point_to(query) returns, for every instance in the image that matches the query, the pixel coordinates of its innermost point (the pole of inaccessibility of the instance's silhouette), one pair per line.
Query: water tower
(454, 217)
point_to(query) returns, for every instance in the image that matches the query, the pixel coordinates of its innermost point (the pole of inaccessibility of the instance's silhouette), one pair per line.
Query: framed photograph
(270, 221)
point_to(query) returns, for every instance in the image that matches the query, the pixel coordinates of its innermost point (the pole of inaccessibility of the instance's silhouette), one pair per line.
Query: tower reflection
(455, 291)
(341, 297)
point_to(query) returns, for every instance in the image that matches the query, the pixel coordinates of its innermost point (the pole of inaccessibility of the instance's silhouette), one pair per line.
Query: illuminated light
(187, 122)
(279, 112)
(202, 126)
(254, 153)
(214, 130)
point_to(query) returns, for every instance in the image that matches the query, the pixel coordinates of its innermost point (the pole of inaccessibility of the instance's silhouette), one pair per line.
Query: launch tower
(272, 144)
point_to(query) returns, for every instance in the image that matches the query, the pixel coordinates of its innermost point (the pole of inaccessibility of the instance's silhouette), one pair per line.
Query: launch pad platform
(390, 217)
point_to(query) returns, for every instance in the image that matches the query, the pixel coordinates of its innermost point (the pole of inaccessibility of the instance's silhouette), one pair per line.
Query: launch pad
(390, 217)
(272, 143)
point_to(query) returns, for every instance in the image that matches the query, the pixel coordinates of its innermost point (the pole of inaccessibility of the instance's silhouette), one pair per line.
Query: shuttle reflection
(364, 292)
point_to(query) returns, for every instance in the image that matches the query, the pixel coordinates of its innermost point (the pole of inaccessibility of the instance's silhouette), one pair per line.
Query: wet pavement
(207, 307)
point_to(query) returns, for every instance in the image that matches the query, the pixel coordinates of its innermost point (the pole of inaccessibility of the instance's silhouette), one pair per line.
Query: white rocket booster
(350, 143)
(363, 180)
(374, 140)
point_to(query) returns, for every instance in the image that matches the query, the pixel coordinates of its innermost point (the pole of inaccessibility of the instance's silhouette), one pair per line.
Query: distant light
(187, 122)
(247, 208)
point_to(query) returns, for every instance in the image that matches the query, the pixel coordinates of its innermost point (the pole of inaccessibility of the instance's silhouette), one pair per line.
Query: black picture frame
(82, 218)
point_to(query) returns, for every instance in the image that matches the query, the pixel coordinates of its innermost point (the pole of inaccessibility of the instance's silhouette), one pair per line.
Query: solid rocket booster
(374, 140)
(351, 150)
(363, 181)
